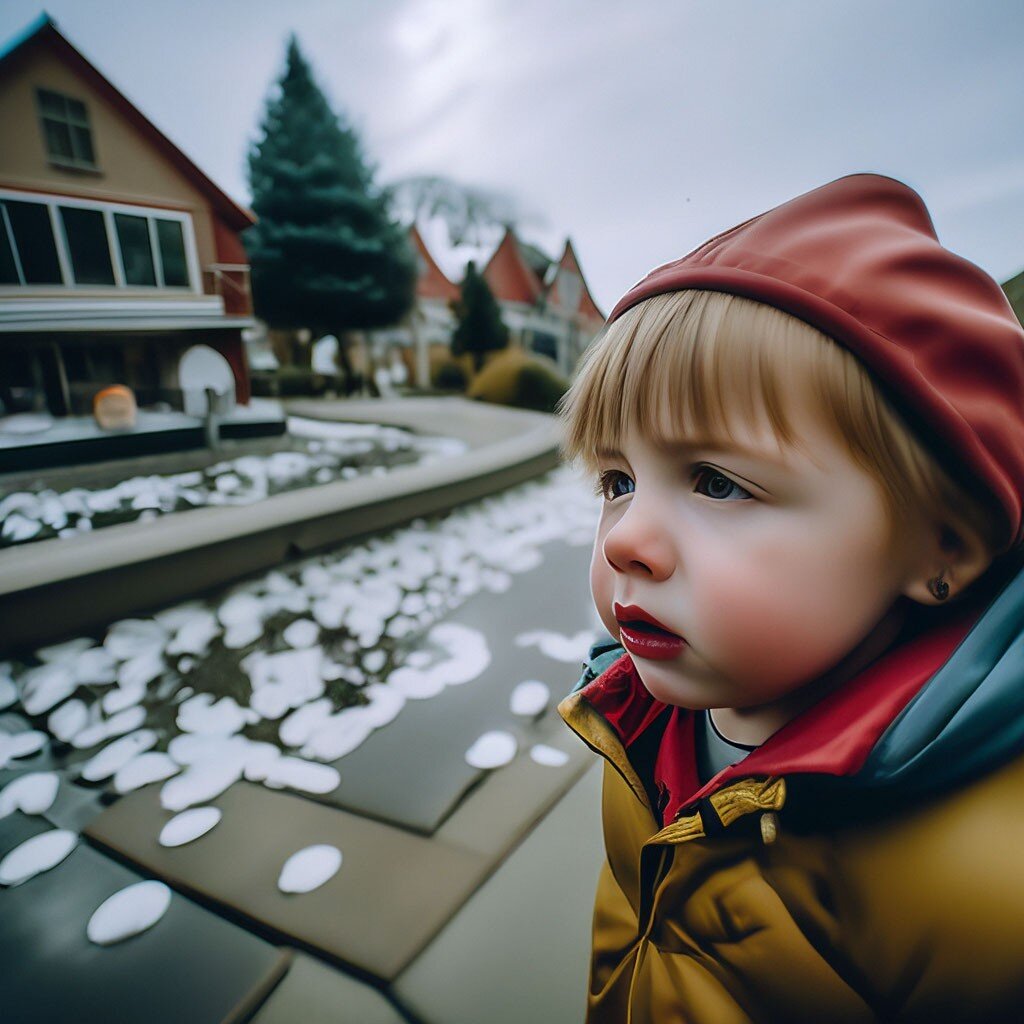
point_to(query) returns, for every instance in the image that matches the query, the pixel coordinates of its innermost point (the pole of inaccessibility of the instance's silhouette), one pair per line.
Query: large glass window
(136, 249)
(86, 234)
(66, 129)
(152, 249)
(172, 252)
(33, 235)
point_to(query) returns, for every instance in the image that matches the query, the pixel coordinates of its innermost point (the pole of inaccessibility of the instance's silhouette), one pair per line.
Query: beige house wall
(129, 169)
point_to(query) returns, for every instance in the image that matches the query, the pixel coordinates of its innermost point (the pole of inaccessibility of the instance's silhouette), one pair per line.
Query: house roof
(44, 32)
(510, 277)
(587, 308)
(431, 283)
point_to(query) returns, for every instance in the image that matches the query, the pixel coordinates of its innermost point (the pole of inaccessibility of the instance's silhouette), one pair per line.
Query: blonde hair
(699, 361)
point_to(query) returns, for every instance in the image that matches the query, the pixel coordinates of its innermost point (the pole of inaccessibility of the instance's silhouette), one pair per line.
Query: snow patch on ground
(128, 912)
(308, 869)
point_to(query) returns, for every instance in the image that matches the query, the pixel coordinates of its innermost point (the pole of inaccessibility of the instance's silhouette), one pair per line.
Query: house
(120, 260)
(545, 303)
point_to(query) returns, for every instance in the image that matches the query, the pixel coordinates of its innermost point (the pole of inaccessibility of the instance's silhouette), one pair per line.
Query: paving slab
(507, 957)
(393, 892)
(315, 993)
(190, 966)
(413, 772)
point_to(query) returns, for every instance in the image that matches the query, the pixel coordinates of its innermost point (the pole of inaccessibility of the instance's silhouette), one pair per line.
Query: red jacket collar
(834, 737)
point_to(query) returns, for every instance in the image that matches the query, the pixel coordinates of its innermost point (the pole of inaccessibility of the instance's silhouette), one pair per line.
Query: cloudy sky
(639, 129)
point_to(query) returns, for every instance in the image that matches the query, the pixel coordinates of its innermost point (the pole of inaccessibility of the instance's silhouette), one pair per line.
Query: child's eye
(714, 484)
(606, 482)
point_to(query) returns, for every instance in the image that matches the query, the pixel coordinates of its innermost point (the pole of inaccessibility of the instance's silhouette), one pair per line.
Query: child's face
(771, 566)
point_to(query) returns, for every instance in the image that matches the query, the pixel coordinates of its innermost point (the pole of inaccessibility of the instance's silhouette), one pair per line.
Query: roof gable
(509, 275)
(431, 282)
(43, 32)
(586, 308)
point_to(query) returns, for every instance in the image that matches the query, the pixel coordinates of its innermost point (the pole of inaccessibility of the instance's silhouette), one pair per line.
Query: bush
(450, 376)
(521, 379)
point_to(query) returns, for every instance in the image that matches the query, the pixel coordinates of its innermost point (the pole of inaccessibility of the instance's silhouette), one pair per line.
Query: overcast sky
(637, 128)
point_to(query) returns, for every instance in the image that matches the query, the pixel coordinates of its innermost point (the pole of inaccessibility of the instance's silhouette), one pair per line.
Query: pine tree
(325, 253)
(479, 328)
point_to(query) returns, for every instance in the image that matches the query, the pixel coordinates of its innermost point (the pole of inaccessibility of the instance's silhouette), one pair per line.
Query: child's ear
(949, 556)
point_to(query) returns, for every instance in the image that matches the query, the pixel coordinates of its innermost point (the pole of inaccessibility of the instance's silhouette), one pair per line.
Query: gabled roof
(587, 308)
(44, 32)
(510, 277)
(431, 282)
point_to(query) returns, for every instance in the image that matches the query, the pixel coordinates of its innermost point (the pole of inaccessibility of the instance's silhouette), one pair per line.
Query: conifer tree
(479, 328)
(325, 254)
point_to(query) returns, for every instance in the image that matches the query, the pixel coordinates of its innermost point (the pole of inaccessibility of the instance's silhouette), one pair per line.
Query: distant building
(118, 256)
(545, 303)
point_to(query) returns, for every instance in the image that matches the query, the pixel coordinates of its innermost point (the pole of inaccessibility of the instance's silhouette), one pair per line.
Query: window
(136, 249)
(33, 247)
(172, 252)
(88, 248)
(106, 244)
(66, 130)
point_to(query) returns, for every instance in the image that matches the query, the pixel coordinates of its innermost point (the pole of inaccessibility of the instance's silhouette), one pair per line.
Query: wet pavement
(402, 651)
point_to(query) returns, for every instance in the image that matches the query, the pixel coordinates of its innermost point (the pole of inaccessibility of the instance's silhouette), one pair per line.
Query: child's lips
(644, 636)
(647, 641)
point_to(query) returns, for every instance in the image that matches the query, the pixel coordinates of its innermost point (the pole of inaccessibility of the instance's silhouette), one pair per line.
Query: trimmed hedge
(519, 378)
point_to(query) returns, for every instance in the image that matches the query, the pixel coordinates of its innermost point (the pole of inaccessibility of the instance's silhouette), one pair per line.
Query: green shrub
(521, 379)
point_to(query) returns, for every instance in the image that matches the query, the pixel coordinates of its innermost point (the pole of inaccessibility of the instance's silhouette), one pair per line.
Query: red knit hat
(859, 260)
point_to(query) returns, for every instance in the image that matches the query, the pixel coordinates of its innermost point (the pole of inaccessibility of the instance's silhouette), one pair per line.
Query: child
(809, 436)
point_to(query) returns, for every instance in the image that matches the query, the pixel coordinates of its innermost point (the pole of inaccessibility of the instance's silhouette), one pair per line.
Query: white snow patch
(492, 750)
(32, 793)
(36, 855)
(20, 744)
(128, 912)
(142, 770)
(120, 752)
(295, 773)
(301, 633)
(189, 825)
(206, 716)
(569, 649)
(44, 687)
(8, 692)
(308, 869)
(551, 757)
(200, 782)
(300, 725)
(530, 698)
(67, 720)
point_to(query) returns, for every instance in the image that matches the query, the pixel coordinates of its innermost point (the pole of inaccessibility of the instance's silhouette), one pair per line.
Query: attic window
(66, 130)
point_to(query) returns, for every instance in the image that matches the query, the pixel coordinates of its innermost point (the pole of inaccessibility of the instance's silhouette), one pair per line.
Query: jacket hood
(859, 259)
(943, 706)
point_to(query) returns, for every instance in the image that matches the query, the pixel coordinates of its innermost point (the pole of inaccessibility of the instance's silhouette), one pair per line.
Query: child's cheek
(767, 631)
(602, 588)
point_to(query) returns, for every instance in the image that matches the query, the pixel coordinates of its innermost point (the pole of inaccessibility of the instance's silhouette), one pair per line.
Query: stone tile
(413, 772)
(508, 956)
(394, 890)
(190, 966)
(315, 993)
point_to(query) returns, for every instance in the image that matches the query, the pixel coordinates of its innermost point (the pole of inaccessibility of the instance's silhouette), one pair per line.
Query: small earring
(939, 587)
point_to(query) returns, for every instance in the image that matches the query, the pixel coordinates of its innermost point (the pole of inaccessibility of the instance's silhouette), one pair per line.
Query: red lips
(651, 640)
(626, 613)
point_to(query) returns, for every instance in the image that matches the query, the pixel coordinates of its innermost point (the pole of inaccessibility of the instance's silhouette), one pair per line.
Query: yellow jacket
(865, 864)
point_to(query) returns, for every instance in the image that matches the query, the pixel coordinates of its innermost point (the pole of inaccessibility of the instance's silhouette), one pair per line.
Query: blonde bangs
(701, 363)
(688, 363)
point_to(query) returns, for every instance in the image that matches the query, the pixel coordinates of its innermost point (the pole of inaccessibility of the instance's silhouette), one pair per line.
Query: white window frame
(108, 209)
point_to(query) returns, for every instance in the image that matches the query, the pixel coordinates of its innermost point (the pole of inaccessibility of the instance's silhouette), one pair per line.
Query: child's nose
(639, 542)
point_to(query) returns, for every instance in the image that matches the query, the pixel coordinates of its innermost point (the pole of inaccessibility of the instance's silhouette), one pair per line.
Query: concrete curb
(65, 587)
